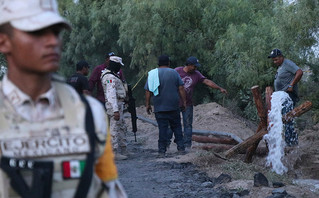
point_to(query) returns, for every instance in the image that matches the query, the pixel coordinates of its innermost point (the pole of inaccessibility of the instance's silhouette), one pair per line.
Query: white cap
(116, 59)
(30, 15)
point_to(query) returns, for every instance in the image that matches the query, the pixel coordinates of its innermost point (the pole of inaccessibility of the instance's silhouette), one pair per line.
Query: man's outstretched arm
(214, 85)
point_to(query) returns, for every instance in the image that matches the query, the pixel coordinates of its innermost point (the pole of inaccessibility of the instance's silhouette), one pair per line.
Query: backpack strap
(110, 73)
(86, 178)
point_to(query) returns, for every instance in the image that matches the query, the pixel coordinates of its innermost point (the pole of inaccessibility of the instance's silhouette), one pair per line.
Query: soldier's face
(34, 52)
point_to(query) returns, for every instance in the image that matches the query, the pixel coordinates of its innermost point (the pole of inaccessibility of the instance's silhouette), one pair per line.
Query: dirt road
(145, 176)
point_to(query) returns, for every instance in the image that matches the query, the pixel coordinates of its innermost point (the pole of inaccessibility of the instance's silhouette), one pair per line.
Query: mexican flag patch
(73, 169)
(109, 81)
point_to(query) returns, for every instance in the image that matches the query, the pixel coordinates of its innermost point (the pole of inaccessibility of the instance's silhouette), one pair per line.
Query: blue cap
(274, 53)
(192, 61)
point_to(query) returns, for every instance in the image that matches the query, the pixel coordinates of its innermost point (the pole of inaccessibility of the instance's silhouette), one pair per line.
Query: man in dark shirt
(165, 87)
(95, 79)
(79, 80)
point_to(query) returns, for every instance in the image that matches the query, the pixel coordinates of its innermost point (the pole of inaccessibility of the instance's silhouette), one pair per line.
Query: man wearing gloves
(48, 131)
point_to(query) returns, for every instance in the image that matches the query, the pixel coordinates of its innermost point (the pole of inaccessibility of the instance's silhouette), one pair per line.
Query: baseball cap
(116, 59)
(31, 15)
(163, 60)
(107, 55)
(192, 61)
(274, 53)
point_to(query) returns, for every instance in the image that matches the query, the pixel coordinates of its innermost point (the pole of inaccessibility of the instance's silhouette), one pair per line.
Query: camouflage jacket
(114, 90)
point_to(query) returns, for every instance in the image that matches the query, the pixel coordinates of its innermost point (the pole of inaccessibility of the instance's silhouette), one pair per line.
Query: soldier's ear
(5, 43)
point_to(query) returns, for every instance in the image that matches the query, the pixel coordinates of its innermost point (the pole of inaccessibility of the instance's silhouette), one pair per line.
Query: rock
(290, 196)
(260, 180)
(277, 184)
(236, 196)
(243, 192)
(279, 193)
(207, 185)
(223, 178)
(311, 184)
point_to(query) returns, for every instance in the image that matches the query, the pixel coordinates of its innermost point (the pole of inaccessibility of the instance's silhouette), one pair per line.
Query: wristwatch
(289, 86)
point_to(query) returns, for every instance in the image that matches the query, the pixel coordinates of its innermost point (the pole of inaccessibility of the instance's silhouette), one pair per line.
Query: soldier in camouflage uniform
(115, 95)
(48, 132)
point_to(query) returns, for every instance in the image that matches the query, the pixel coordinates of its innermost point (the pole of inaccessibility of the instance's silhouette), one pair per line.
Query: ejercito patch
(45, 146)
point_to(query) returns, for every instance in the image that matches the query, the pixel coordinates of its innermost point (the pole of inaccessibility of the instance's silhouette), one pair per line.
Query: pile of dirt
(302, 161)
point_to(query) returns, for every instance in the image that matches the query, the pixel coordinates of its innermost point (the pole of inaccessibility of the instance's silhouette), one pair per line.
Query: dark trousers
(172, 119)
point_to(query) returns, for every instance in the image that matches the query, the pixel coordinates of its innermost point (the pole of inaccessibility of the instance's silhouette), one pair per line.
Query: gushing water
(274, 138)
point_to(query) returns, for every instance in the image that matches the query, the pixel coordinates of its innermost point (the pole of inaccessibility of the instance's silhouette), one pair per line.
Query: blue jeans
(188, 127)
(165, 120)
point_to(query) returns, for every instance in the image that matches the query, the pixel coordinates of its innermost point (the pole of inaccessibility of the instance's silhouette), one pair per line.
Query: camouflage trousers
(118, 131)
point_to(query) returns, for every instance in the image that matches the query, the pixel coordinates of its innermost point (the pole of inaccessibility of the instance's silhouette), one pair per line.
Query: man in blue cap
(191, 77)
(288, 75)
(286, 79)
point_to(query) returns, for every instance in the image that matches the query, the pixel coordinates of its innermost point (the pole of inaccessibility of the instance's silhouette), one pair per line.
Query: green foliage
(92, 35)
(232, 39)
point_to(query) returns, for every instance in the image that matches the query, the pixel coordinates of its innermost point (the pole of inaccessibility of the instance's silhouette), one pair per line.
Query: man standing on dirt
(165, 85)
(191, 76)
(79, 80)
(115, 95)
(286, 79)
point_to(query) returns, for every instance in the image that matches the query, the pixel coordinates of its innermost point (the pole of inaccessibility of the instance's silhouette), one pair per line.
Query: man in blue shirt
(165, 86)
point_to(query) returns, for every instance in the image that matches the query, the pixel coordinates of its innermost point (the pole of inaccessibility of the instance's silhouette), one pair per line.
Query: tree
(231, 38)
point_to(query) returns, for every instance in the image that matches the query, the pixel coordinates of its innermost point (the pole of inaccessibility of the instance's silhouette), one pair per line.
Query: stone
(277, 184)
(260, 180)
(223, 178)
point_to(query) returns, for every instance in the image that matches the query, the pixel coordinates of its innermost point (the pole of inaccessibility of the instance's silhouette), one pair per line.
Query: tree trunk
(262, 124)
(219, 148)
(268, 94)
(296, 112)
(217, 140)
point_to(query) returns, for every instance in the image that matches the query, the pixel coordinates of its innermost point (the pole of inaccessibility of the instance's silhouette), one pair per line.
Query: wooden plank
(218, 140)
(262, 114)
